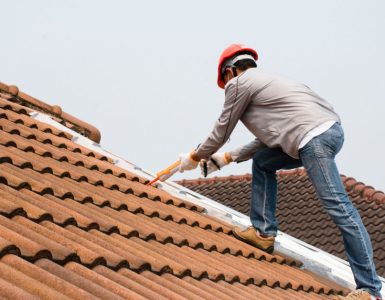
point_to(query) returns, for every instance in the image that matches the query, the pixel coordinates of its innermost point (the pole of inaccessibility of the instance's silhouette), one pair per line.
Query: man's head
(234, 60)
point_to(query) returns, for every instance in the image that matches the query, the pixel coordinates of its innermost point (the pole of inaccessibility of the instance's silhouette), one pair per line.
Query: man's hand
(216, 162)
(187, 162)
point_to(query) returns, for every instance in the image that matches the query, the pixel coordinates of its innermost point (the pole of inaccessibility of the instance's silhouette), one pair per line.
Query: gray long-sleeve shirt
(278, 111)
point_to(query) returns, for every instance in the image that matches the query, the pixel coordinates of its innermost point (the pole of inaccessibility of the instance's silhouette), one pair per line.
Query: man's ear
(229, 73)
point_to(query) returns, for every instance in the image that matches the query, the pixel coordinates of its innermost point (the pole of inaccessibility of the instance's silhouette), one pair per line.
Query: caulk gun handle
(168, 175)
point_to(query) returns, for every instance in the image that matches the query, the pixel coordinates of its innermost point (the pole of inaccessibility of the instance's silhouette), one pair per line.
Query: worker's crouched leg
(266, 162)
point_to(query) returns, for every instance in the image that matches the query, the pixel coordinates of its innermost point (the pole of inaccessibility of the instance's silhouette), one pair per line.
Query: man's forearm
(247, 151)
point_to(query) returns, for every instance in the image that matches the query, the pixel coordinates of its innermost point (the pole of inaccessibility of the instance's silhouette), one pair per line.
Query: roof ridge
(367, 192)
(84, 128)
(231, 178)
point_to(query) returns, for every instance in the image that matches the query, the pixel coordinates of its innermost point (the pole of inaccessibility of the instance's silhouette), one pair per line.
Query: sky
(144, 72)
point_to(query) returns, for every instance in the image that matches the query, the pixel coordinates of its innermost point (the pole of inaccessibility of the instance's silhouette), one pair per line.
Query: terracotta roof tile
(73, 224)
(299, 212)
(44, 277)
(18, 101)
(28, 122)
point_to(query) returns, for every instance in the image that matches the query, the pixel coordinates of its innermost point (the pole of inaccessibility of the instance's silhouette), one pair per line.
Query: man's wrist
(228, 158)
(194, 157)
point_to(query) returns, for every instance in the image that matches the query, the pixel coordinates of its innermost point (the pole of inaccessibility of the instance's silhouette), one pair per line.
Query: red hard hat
(229, 52)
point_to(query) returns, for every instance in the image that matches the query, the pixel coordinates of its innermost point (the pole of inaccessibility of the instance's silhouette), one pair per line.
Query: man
(293, 127)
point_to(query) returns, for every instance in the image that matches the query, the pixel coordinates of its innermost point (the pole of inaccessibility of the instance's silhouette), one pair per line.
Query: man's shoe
(358, 295)
(251, 236)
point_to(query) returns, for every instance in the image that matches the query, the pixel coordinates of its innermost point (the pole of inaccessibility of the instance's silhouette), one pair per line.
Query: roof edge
(26, 100)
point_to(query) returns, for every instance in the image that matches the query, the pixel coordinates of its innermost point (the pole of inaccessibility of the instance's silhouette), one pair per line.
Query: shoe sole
(269, 250)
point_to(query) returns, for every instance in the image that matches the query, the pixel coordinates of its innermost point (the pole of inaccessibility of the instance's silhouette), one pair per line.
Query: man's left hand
(216, 162)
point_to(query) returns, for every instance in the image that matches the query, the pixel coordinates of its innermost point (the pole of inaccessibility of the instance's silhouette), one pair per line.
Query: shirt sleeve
(247, 151)
(237, 99)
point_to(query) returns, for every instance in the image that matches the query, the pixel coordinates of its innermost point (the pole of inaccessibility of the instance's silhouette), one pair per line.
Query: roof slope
(299, 211)
(74, 225)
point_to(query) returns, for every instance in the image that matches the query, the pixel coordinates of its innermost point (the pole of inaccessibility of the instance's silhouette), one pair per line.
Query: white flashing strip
(314, 259)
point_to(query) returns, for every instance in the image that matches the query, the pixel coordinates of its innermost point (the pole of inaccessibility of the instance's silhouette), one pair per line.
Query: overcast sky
(144, 72)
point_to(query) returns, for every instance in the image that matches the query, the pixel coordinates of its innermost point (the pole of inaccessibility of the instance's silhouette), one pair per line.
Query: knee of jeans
(347, 215)
(347, 207)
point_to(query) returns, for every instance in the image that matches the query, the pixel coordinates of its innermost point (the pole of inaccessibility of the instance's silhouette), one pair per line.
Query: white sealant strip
(314, 259)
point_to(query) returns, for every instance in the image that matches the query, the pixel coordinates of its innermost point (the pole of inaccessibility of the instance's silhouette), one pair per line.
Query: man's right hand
(216, 162)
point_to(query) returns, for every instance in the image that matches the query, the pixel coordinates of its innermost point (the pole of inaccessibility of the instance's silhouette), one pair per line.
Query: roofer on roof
(293, 127)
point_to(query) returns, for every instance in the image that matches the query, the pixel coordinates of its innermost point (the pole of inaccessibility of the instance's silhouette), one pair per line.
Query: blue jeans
(317, 157)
